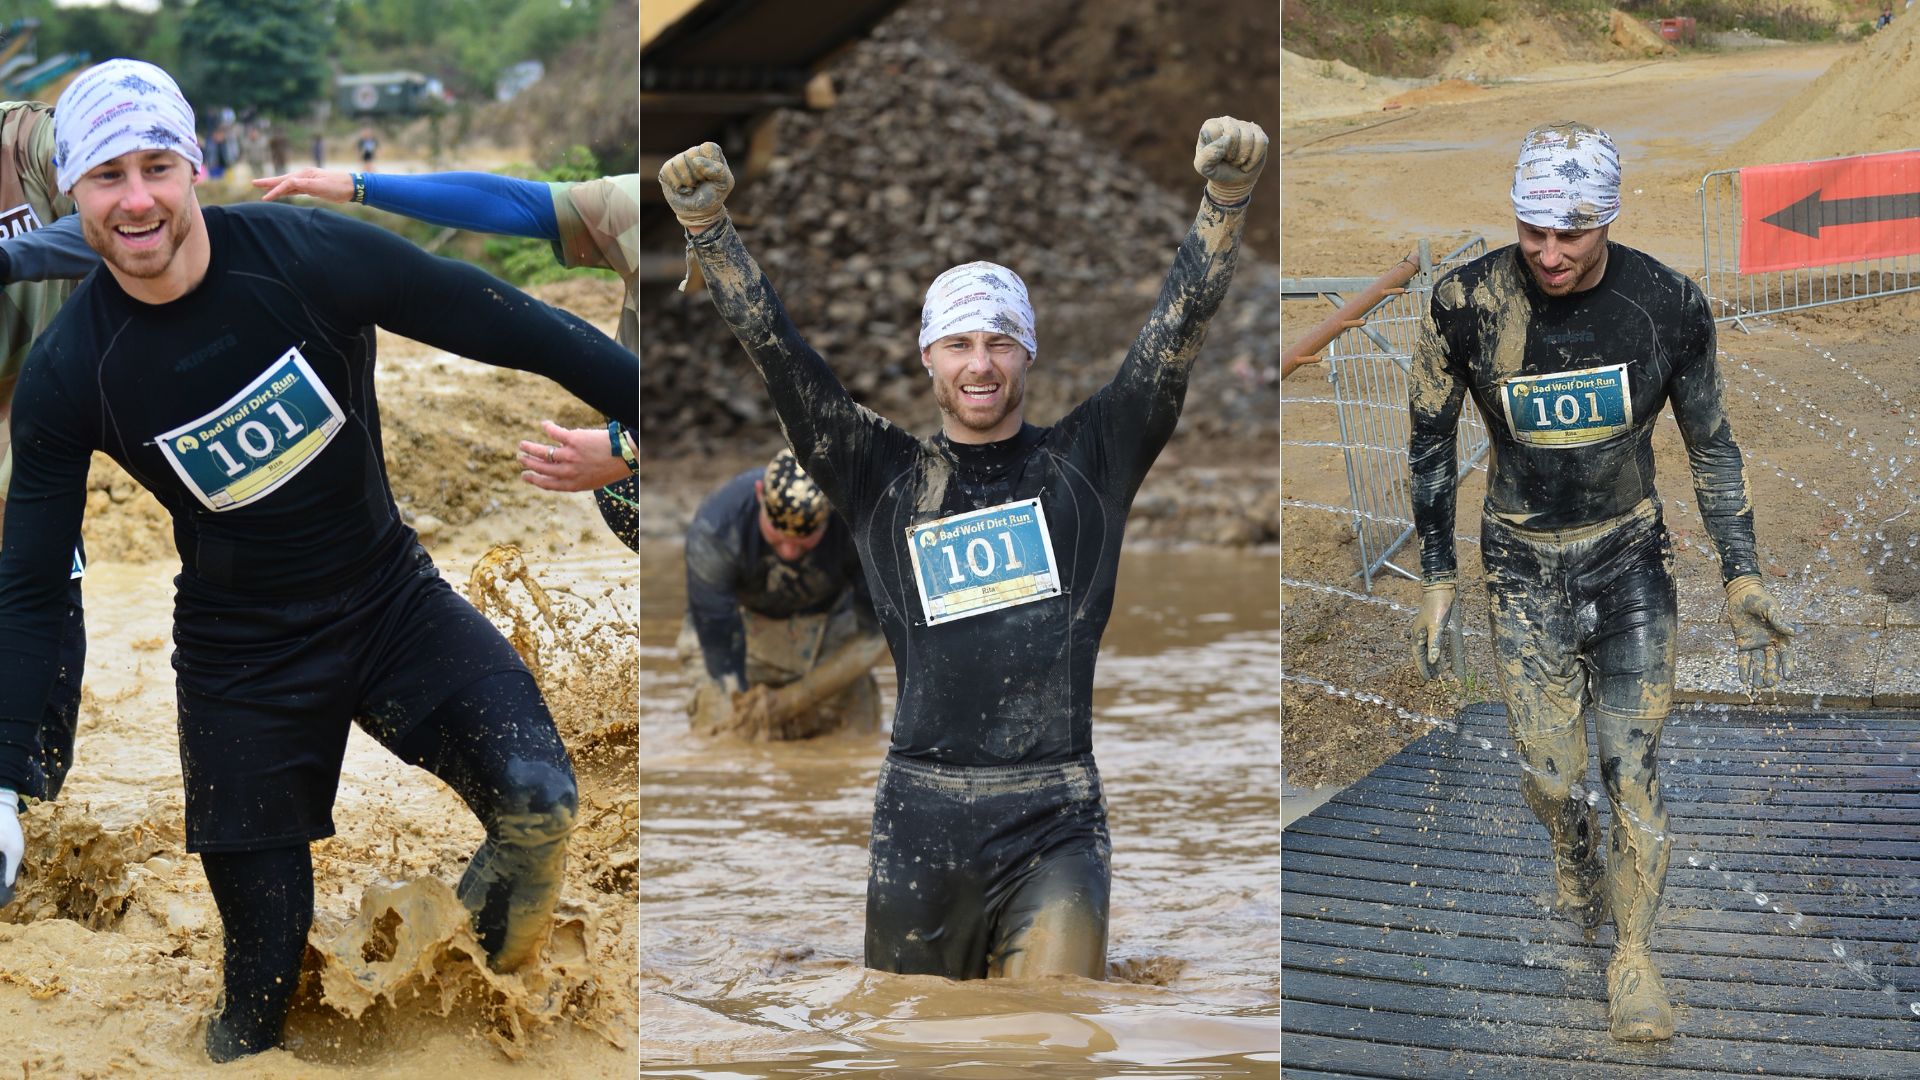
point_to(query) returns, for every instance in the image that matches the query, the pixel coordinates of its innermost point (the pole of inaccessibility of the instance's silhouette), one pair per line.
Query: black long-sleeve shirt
(1013, 685)
(1569, 388)
(247, 408)
(731, 566)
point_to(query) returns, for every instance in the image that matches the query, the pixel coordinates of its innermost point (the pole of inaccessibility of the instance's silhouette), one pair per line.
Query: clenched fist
(1229, 154)
(696, 183)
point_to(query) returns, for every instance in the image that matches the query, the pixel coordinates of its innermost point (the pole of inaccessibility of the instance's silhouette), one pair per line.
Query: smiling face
(139, 213)
(979, 382)
(1564, 261)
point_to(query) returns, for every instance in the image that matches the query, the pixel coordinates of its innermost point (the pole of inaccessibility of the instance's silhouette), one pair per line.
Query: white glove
(1429, 627)
(13, 845)
(696, 183)
(1230, 154)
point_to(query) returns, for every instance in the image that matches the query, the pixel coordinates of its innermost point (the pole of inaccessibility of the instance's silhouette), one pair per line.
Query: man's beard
(951, 400)
(148, 263)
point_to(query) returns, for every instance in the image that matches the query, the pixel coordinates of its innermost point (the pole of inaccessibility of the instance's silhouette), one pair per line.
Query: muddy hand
(1229, 154)
(696, 183)
(1430, 626)
(1761, 632)
(13, 845)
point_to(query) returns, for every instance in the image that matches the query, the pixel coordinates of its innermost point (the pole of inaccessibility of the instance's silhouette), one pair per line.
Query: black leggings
(495, 744)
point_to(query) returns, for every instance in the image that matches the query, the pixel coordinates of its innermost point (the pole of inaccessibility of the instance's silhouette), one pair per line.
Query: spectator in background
(368, 144)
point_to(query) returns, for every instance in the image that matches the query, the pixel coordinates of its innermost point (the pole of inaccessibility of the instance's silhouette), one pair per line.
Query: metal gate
(1368, 366)
(1735, 296)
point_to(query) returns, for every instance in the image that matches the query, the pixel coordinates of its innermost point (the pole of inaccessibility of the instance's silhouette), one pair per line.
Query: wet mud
(754, 865)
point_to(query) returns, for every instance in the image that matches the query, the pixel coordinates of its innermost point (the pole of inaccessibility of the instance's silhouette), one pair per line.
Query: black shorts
(956, 848)
(267, 691)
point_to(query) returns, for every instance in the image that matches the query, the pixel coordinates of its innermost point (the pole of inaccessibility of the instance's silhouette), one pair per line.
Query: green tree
(268, 54)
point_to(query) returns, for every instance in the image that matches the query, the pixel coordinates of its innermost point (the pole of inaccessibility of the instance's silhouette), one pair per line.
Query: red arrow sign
(1818, 213)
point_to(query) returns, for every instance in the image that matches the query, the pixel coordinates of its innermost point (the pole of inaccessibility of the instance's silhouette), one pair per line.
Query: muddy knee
(539, 806)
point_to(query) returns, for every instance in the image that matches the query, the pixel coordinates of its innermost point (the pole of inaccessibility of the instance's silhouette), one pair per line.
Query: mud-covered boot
(1579, 894)
(1638, 1009)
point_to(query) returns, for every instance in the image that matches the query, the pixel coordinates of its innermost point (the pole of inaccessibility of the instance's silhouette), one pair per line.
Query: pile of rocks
(926, 161)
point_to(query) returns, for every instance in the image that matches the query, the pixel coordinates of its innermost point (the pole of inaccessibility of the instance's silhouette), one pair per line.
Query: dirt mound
(930, 160)
(1868, 101)
(1317, 89)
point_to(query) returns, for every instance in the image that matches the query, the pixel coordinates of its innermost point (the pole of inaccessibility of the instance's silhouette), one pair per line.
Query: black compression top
(1569, 388)
(1014, 685)
(247, 408)
(731, 566)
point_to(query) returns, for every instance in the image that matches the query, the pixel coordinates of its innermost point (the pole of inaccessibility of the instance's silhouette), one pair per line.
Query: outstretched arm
(807, 396)
(52, 251)
(481, 202)
(464, 310)
(1152, 382)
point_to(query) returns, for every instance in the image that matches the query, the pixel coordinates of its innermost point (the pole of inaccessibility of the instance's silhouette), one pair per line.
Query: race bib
(1568, 408)
(983, 560)
(259, 439)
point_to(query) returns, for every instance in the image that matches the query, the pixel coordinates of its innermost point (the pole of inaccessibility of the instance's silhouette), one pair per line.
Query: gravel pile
(926, 161)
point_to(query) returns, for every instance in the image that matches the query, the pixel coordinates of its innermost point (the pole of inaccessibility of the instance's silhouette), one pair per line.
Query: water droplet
(1760, 899)
(1693, 860)
(1796, 920)
(1914, 1008)
(1839, 950)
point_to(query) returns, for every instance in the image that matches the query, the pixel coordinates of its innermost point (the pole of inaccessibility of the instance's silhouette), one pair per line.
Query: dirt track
(1361, 189)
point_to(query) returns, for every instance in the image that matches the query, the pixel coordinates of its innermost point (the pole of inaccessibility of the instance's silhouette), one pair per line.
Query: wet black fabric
(59, 723)
(1015, 685)
(731, 566)
(495, 745)
(266, 692)
(964, 859)
(265, 899)
(114, 374)
(1642, 314)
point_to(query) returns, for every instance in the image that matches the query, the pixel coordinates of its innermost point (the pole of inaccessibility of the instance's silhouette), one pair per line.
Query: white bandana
(1568, 177)
(978, 296)
(119, 107)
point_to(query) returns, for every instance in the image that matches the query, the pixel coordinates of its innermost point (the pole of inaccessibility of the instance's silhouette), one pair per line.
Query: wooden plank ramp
(1415, 940)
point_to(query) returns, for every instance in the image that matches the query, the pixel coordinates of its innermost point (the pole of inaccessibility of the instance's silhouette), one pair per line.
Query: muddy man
(991, 551)
(1570, 346)
(779, 640)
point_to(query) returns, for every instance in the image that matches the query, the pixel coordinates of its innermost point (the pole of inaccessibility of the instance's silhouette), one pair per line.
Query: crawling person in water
(1571, 345)
(991, 551)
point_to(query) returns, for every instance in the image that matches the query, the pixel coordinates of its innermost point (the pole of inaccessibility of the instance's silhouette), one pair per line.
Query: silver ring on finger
(549, 455)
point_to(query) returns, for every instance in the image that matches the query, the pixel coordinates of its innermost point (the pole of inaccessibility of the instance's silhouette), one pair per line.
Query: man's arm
(52, 251)
(808, 398)
(1761, 630)
(1146, 395)
(462, 309)
(712, 604)
(44, 507)
(1435, 394)
(481, 202)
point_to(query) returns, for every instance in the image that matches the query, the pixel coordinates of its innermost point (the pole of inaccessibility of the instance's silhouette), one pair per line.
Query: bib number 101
(1566, 409)
(255, 438)
(982, 559)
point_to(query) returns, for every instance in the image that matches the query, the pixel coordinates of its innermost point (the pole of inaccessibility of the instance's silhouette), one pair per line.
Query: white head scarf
(978, 296)
(1568, 177)
(119, 107)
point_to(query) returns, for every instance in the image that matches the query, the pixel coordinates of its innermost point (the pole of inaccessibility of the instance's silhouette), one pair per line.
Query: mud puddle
(110, 957)
(753, 867)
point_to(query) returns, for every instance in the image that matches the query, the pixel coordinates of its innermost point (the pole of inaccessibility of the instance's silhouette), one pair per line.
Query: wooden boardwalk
(1415, 942)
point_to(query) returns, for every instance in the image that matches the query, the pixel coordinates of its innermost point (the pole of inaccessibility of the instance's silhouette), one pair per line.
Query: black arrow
(1808, 216)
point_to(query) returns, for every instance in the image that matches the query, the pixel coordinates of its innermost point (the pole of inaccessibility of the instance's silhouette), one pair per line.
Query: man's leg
(265, 900)
(926, 907)
(1633, 689)
(1535, 656)
(495, 744)
(1056, 922)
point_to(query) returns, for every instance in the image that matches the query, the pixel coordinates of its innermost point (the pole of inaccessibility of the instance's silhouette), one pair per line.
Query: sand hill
(1868, 101)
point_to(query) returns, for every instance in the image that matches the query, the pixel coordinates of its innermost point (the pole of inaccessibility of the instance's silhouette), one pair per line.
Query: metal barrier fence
(1736, 296)
(1367, 366)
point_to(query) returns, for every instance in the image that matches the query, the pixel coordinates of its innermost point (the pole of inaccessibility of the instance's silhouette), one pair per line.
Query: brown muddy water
(110, 957)
(753, 866)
